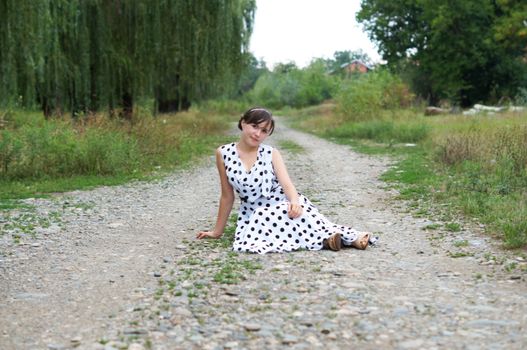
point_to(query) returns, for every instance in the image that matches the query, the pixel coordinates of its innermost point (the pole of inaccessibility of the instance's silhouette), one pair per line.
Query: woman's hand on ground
(208, 234)
(294, 210)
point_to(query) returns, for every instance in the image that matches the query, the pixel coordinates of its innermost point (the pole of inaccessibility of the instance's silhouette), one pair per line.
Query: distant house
(355, 66)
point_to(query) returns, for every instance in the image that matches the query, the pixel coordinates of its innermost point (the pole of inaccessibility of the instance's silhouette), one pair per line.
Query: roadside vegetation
(450, 164)
(39, 156)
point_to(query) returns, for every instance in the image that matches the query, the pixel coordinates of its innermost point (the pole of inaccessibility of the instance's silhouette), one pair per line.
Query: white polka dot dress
(263, 225)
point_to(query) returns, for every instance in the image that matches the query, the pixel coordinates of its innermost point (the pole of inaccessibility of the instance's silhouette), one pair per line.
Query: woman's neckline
(241, 161)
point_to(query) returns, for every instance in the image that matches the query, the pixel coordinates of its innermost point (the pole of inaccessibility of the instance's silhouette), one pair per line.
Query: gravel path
(118, 268)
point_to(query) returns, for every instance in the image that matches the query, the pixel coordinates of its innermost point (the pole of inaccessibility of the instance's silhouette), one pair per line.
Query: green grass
(432, 227)
(24, 221)
(385, 131)
(460, 255)
(43, 187)
(461, 243)
(227, 239)
(39, 157)
(453, 227)
(291, 146)
(8, 204)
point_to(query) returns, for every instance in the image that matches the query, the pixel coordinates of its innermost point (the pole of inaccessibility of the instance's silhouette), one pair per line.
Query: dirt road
(118, 268)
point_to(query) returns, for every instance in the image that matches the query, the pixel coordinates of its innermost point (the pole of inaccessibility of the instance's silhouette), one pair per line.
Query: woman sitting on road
(273, 216)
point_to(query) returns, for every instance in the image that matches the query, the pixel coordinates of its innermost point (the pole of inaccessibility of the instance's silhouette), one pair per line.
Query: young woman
(273, 216)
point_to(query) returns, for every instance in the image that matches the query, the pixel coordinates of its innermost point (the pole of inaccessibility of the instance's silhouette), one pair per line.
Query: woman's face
(254, 134)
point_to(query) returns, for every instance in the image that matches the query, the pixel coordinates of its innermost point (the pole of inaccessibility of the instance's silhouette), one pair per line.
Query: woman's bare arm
(226, 202)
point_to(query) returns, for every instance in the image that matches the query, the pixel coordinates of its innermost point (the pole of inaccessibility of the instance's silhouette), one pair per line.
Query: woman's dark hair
(257, 115)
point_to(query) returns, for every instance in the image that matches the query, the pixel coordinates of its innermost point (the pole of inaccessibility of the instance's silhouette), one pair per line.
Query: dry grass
(488, 141)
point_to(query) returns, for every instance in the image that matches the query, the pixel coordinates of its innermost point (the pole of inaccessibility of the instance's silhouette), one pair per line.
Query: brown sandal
(333, 242)
(361, 242)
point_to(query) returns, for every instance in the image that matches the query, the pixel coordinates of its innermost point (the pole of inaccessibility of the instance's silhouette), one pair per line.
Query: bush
(364, 96)
(521, 97)
(266, 91)
(316, 85)
(294, 87)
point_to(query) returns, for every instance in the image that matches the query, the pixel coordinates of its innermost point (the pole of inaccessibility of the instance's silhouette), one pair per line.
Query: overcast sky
(299, 30)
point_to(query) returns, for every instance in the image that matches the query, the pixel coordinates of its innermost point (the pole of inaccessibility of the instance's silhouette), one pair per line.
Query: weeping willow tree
(204, 53)
(80, 56)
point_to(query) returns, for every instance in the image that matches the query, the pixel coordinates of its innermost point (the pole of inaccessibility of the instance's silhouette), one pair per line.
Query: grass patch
(453, 227)
(291, 146)
(432, 227)
(382, 131)
(228, 269)
(38, 157)
(461, 243)
(24, 221)
(227, 239)
(13, 204)
(460, 254)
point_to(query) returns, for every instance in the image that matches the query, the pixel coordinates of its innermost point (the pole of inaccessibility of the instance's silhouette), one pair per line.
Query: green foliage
(288, 85)
(521, 97)
(267, 91)
(510, 28)
(316, 84)
(84, 56)
(223, 107)
(515, 232)
(466, 51)
(364, 96)
(253, 69)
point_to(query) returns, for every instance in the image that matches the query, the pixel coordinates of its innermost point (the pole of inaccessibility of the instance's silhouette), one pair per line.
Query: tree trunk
(167, 106)
(127, 103)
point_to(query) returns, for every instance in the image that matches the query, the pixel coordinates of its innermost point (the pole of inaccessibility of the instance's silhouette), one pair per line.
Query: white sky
(299, 30)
